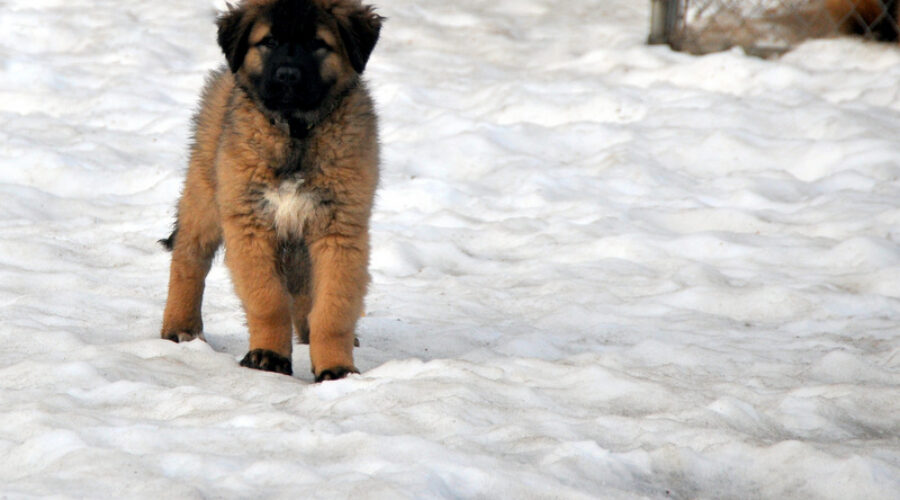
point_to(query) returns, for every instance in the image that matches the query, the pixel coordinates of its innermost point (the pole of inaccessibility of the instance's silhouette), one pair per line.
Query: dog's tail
(169, 243)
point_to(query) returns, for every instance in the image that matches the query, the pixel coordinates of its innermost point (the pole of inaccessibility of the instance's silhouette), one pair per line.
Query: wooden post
(663, 15)
(657, 22)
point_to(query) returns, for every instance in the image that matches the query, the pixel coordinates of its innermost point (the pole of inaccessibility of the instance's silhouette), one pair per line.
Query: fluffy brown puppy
(283, 170)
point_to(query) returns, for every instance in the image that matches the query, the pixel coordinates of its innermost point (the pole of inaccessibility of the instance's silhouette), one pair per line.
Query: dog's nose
(287, 74)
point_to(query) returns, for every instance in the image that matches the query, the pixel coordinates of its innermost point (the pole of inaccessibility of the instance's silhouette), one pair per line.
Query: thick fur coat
(283, 171)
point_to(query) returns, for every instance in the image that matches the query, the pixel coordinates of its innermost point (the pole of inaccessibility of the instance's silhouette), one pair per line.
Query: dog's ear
(234, 31)
(359, 27)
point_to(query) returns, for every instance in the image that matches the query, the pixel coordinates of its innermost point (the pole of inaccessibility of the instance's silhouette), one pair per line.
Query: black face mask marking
(291, 78)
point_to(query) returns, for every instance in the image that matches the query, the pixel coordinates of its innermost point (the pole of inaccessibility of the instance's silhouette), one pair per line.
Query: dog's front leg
(340, 278)
(250, 253)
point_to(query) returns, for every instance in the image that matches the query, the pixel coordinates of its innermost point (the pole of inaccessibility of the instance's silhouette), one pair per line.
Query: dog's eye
(268, 42)
(319, 44)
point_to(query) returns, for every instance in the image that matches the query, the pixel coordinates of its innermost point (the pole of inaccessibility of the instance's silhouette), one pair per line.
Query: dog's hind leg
(194, 243)
(300, 307)
(293, 264)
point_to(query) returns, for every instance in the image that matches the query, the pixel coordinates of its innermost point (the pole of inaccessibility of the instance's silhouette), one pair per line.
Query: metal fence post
(661, 13)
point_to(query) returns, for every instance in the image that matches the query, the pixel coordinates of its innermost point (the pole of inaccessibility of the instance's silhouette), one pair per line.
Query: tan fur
(259, 31)
(234, 195)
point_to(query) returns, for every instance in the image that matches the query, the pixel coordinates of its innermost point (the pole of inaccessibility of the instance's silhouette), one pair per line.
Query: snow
(601, 269)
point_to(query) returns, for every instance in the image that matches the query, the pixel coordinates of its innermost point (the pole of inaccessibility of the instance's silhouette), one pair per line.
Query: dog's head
(291, 55)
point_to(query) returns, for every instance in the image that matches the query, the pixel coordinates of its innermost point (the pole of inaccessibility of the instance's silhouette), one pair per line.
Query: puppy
(283, 170)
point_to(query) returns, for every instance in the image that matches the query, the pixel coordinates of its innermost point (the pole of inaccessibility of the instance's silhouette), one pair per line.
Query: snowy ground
(601, 269)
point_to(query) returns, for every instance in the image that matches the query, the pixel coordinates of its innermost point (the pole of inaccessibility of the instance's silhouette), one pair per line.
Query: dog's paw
(335, 373)
(270, 361)
(183, 336)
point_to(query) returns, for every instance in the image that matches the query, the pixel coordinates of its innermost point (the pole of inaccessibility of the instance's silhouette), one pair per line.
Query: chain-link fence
(767, 27)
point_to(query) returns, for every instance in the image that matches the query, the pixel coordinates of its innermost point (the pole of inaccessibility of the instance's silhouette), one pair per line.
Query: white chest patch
(290, 208)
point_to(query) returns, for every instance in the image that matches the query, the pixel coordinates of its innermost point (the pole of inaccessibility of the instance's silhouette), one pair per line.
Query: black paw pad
(335, 373)
(270, 361)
